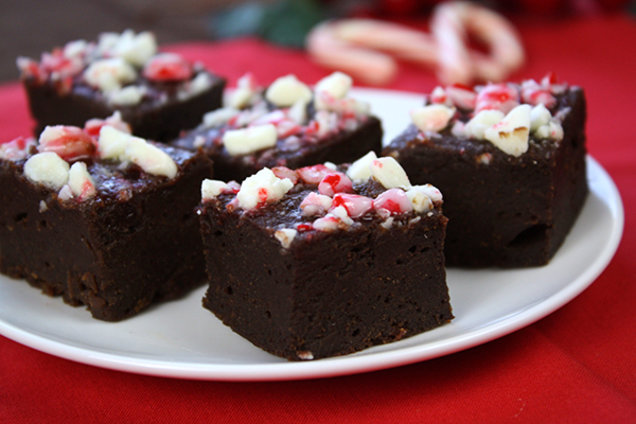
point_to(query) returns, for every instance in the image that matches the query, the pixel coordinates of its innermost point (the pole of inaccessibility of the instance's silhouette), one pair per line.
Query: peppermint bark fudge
(510, 160)
(289, 124)
(103, 218)
(158, 94)
(325, 260)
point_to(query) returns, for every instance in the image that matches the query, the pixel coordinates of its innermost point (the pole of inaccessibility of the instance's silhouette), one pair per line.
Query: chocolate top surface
(286, 213)
(320, 199)
(124, 70)
(317, 118)
(539, 148)
(117, 181)
(300, 140)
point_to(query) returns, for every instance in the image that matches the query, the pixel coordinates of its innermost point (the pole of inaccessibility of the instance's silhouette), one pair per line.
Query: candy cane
(364, 47)
(333, 52)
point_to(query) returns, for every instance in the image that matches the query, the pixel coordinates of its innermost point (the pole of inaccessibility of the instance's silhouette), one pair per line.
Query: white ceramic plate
(181, 339)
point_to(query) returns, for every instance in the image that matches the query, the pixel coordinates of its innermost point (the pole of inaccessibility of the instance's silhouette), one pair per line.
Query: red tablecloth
(576, 365)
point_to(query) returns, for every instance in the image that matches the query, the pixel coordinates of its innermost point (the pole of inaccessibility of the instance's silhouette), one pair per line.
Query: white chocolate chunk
(431, 191)
(150, 158)
(250, 139)
(315, 204)
(337, 85)
(75, 49)
(136, 49)
(551, 131)
(539, 115)
(48, 169)
(331, 165)
(198, 85)
(127, 96)
(242, 94)
(65, 193)
(485, 119)
(287, 90)
(262, 187)
(115, 144)
(433, 117)
(112, 142)
(388, 172)
(285, 236)
(420, 201)
(219, 117)
(298, 112)
(360, 170)
(555, 130)
(341, 213)
(423, 197)
(80, 181)
(109, 74)
(210, 189)
(327, 223)
(511, 134)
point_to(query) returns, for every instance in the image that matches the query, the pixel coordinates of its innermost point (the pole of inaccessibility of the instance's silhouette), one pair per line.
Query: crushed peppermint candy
(505, 114)
(58, 160)
(326, 196)
(112, 63)
(285, 106)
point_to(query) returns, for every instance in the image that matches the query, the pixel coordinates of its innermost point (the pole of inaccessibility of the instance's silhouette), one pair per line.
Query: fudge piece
(103, 220)
(158, 94)
(288, 124)
(317, 262)
(510, 160)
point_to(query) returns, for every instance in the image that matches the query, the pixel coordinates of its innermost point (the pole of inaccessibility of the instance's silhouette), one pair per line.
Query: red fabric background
(577, 365)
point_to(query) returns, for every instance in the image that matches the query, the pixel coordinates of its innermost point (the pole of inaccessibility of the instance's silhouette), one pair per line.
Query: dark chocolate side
(513, 211)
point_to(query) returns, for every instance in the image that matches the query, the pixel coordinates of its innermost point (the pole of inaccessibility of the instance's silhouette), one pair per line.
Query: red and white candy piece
(93, 126)
(210, 189)
(168, 67)
(433, 118)
(535, 94)
(388, 172)
(80, 182)
(315, 204)
(284, 172)
(261, 188)
(354, 204)
(334, 182)
(335, 85)
(313, 174)
(68, 142)
(16, 149)
(461, 96)
(502, 97)
(394, 200)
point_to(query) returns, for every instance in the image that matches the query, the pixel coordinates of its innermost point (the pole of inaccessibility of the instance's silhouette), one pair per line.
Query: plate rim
(346, 365)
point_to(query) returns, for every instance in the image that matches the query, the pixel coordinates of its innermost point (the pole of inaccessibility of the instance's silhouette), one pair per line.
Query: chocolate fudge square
(158, 94)
(510, 160)
(288, 124)
(111, 227)
(317, 262)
